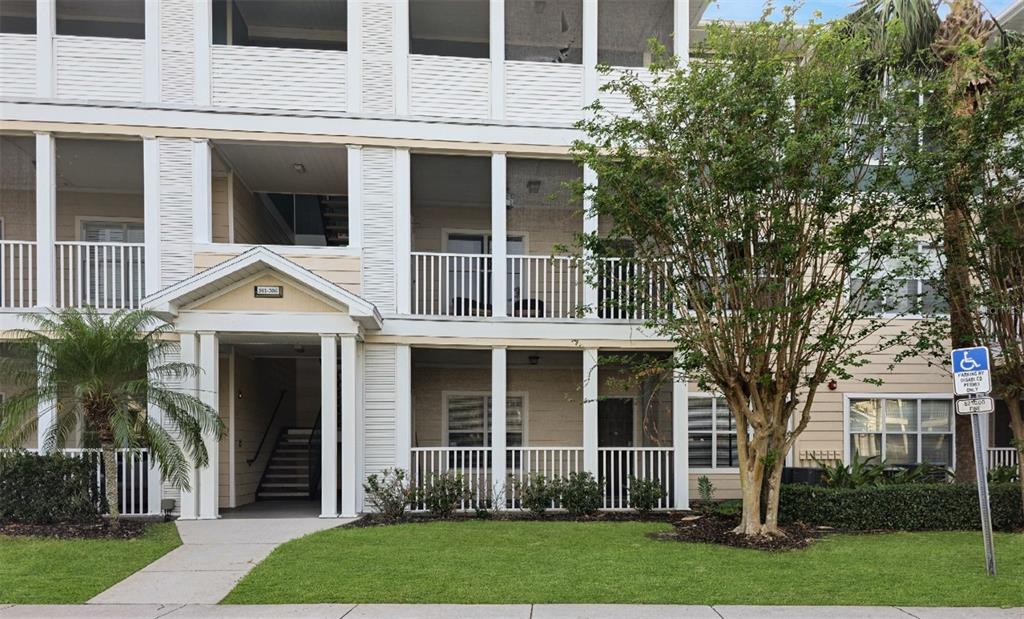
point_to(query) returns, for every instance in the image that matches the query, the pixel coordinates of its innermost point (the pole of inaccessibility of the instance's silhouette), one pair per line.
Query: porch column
(188, 505)
(589, 228)
(497, 54)
(499, 235)
(403, 228)
(46, 27)
(403, 406)
(681, 27)
(499, 357)
(400, 57)
(209, 386)
(202, 205)
(354, 62)
(590, 383)
(46, 219)
(151, 211)
(355, 196)
(203, 32)
(589, 51)
(680, 442)
(154, 489)
(349, 427)
(151, 63)
(328, 425)
(46, 413)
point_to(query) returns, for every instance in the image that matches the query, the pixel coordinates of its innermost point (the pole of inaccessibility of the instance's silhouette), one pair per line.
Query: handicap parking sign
(971, 371)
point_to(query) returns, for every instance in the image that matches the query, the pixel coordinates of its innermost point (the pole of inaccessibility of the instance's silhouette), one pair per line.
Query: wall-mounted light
(533, 185)
(239, 394)
(833, 385)
(533, 359)
(299, 168)
(510, 202)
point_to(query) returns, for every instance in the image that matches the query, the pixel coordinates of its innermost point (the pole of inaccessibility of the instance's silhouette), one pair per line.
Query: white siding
(99, 68)
(616, 102)
(168, 490)
(379, 407)
(175, 210)
(449, 87)
(379, 228)
(279, 78)
(378, 62)
(177, 51)
(540, 92)
(18, 64)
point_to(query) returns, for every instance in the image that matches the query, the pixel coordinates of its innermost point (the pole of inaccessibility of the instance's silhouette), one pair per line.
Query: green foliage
(445, 493)
(1004, 474)
(644, 494)
(536, 494)
(388, 493)
(907, 507)
(729, 507)
(42, 489)
(866, 472)
(705, 489)
(579, 493)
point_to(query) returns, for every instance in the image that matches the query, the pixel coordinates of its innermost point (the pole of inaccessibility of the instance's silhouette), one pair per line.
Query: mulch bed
(100, 529)
(718, 529)
(378, 520)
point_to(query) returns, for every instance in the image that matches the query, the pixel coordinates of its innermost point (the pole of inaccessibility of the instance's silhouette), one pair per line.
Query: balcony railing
(632, 290)
(472, 463)
(104, 275)
(446, 284)
(17, 274)
(617, 467)
(545, 286)
(1002, 456)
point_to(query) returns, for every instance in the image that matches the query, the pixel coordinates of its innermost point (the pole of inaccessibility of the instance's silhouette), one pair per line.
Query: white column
(589, 51)
(349, 427)
(151, 64)
(403, 231)
(681, 26)
(680, 441)
(355, 196)
(202, 203)
(590, 226)
(46, 412)
(203, 24)
(232, 430)
(403, 407)
(590, 384)
(46, 219)
(154, 490)
(354, 57)
(209, 386)
(151, 211)
(498, 424)
(328, 425)
(46, 27)
(497, 53)
(499, 235)
(400, 49)
(189, 501)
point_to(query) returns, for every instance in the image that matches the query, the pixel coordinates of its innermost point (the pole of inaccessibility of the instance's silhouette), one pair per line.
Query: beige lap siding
(544, 228)
(253, 222)
(18, 211)
(340, 270)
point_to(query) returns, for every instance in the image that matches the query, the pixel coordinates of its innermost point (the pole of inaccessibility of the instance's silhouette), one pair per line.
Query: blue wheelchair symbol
(970, 360)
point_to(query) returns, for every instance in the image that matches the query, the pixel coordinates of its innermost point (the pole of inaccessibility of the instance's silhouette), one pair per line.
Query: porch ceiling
(273, 167)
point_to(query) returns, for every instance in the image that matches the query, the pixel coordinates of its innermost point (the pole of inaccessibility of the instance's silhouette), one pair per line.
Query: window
(902, 430)
(712, 440)
(911, 294)
(450, 28)
(468, 426)
(120, 19)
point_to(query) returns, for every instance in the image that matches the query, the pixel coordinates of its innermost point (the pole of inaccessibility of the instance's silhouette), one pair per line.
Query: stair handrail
(266, 430)
(313, 459)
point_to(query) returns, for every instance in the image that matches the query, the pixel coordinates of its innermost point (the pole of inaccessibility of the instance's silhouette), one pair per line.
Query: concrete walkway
(515, 611)
(214, 555)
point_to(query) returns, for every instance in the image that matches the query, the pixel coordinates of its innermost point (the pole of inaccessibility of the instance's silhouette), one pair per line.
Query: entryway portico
(259, 295)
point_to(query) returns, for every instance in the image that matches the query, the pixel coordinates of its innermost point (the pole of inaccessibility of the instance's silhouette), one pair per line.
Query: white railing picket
(617, 466)
(1002, 456)
(17, 274)
(473, 463)
(106, 276)
(132, 480)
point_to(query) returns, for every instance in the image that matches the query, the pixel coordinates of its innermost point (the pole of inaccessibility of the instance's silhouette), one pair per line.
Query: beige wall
(544, 227)
(341, 270)
(253, 223)
(307, 392)
(18, 211)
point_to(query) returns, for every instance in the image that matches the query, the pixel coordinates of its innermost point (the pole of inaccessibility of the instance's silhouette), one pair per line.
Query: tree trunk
(774, 481)
(1013, 405)
(109, 455)
(750, 524)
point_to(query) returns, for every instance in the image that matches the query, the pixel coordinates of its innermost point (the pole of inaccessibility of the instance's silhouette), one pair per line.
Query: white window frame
(714, 468)
(922, 246)
(81, 221)
(487, 235)
(917, 397)
(445, 395)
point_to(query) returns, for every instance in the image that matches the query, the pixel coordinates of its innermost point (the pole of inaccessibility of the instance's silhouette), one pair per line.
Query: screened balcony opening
(625, 27)
(311, 24)
(120, 19)
(17, 222)
(544, 31)
(451, 235)
(449, 28)
(280, 194)
(18, 17)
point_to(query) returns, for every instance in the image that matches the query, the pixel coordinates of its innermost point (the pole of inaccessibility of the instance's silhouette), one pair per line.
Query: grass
(36, 570)
(565, 562)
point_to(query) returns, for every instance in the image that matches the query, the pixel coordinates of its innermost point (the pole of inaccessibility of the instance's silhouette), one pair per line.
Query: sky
(748, 10)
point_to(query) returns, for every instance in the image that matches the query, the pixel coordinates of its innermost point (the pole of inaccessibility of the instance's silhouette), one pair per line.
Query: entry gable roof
(253, 262)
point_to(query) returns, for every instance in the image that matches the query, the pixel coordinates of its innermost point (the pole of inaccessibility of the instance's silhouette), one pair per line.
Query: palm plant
(101, 373)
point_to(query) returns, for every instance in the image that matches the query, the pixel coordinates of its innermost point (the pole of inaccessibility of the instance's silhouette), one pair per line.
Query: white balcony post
(499, 425)
(680, 442)
(681, 27)
(403, 407)
(497, 53)
(355, 196)
(151, 211)
(151, 65)
(328, 425)
(403, 231)
(589, 51)
(203, 24)
(46, 219)
(400, 51)
(46, 412)
(354, 54)
(188, 506)
(202, 205)
(209, 387)
(499, 236)
(46, 27)
(349, 427)
(590, 391)
(590, 226)
(154, 480)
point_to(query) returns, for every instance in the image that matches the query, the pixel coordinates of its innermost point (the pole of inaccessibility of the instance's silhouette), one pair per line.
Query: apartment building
(354, 215)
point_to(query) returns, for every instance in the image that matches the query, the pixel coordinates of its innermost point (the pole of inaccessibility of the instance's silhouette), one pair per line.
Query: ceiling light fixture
(299, 168)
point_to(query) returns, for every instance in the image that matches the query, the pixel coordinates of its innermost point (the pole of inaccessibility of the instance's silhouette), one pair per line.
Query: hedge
(42, 489)
(906, 507)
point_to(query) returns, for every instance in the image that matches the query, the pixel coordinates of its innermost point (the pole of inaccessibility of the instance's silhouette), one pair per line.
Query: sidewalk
(512, 611)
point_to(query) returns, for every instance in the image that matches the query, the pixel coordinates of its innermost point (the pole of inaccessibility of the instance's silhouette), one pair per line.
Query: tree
(746, 179)
(84, 368)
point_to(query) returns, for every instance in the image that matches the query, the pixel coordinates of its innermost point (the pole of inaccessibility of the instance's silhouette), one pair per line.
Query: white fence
(103, 275)
(1002, 456)
(545, 286)
(446, 284)
(618, 466)
(17, 274)
(473, 463)
(551, 462)
(132, 477)
(279, 78)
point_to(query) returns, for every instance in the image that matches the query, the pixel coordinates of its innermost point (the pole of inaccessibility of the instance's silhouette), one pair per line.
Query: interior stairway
(287, 473)
(334, 213)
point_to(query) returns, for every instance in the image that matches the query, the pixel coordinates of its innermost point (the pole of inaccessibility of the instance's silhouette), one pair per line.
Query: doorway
(615, 422)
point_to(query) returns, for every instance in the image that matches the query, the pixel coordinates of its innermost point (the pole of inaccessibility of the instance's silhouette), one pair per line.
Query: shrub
(705, 489)
(579, 494)
(536, 494)
(866, 472)
(42, 489)
(644, 494)
(445, 493)
(1002, 474)
(907, 507)
(388, 493)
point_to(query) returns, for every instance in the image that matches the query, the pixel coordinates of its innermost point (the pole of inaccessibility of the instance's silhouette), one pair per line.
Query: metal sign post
(972, 378)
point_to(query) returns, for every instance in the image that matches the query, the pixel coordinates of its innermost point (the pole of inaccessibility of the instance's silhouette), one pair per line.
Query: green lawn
(552, 562)
(35, 570)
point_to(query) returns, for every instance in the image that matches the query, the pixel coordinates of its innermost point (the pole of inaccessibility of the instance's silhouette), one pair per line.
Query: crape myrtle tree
(750, 181)
(99, 373)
